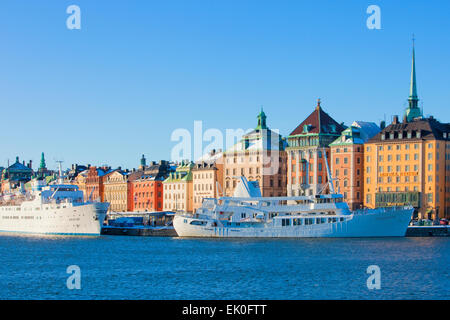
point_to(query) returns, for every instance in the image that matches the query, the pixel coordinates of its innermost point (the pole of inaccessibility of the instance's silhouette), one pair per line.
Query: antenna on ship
(60, 180)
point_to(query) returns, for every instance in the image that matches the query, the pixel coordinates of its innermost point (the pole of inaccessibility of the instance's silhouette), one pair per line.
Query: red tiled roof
(319, 122)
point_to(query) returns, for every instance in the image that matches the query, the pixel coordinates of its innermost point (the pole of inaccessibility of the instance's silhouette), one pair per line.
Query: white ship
(292, 217)
(56, 209)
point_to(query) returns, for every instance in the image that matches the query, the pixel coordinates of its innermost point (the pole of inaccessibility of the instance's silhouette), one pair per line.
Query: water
(122, 267)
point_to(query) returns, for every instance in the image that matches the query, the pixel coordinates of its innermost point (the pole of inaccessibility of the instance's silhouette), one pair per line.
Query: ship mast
(330, 177)
(60, 180)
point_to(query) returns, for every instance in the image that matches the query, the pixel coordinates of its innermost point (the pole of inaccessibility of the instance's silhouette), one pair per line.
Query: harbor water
(129, 267)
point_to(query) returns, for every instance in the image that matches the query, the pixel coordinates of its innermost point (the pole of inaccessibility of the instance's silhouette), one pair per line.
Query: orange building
(347, 162)
(80, 181)
(408, 162)
(94, 183)
(148, 194)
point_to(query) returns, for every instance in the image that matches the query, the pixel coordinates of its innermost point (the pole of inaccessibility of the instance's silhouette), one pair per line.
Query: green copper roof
(413, 111)
(350, 136)
(182, 173)
(42, 165)
(413, 87)
(261, 120)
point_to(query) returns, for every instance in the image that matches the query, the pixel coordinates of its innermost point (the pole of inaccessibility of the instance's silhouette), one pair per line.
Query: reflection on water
(122, 267)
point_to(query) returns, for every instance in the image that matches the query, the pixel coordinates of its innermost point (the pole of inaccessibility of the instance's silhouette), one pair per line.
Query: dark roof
(430, 129)
(18, 167)
(204, 165)
(319, 122)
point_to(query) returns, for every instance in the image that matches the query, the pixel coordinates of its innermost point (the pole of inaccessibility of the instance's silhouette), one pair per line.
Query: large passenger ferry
(247, 214)
(56, 209)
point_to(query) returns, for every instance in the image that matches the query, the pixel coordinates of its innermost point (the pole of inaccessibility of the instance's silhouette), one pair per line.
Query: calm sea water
(122, 267)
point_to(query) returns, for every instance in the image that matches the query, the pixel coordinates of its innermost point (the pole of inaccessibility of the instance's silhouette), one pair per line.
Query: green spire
(42, 165)
(413, 110)
(261, 120)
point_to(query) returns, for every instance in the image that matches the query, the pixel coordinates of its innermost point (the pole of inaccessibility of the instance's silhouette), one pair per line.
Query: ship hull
(370, 223)
(85, 219)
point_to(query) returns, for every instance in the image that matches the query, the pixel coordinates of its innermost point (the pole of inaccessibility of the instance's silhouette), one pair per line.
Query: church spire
(413, 111)
(42, 164)
(413, 88)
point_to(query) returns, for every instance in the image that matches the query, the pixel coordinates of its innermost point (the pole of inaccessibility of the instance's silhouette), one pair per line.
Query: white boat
(324, 215)
(56, 209)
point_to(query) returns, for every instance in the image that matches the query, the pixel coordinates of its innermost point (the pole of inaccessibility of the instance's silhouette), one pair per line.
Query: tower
(42, 164)
(261, 120)
(413, 110)
(143, 162)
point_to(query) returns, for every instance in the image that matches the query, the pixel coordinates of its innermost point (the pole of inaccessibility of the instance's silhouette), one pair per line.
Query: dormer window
(400, 135)
(383, 136)
(391, 136)
(445, 135)
(418, 134)
(409, 134)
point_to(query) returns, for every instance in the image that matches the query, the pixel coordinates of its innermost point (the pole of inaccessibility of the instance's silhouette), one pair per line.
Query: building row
(405, 162)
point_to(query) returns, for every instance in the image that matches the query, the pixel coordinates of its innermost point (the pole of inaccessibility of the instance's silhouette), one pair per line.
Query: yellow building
(178, 189)
(408, 162)
(207, 176)
(116, 190)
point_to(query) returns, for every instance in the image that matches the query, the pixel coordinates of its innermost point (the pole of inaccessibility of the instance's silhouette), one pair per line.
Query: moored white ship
(295, 217)
(57, 209)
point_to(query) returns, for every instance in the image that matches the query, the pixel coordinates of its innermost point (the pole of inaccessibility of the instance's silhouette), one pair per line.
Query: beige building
(178, 189)
(206, 174)
(259, 156)
(117, 188)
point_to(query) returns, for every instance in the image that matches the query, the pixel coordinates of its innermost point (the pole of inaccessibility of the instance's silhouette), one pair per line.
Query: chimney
(395, 120)
(23, 162)
(30, 164)
(382, 125)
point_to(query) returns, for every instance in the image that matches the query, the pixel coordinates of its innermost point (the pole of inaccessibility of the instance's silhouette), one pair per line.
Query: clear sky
(138, 70)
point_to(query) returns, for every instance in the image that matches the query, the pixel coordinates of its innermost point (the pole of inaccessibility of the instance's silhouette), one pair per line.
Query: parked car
(443, 222)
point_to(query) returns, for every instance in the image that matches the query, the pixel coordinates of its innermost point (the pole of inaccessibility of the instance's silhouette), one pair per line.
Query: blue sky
(138, 70)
